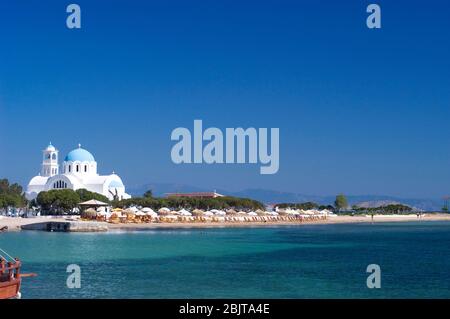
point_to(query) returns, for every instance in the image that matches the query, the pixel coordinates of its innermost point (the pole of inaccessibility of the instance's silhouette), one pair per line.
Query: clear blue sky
(360, 111)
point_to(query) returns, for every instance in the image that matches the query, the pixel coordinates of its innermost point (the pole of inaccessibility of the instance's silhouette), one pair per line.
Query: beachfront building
(78, 170)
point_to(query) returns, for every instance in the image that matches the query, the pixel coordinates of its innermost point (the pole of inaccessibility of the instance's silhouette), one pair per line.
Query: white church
(79, 170)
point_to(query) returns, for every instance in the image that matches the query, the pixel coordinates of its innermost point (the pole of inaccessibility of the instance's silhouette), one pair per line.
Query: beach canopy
(94, 203)
(89, 213)
(129, 211)
(184, 212)
(163, 210)
(198, 212)
(151, 214)
(273, 213)
(292, 211)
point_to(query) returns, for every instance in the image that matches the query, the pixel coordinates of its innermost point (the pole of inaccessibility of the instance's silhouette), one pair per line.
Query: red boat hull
(10, 289)
(10, 279)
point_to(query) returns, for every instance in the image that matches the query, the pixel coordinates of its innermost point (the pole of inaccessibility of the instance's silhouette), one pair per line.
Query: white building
(79, 170)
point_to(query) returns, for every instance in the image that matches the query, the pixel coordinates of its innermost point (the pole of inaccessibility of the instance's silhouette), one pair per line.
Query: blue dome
(79, 154)
(115, 184)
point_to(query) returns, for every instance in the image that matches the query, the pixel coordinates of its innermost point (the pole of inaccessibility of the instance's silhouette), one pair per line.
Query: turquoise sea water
(308, 261)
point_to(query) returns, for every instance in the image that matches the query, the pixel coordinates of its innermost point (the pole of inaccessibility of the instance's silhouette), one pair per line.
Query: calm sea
(309, 261)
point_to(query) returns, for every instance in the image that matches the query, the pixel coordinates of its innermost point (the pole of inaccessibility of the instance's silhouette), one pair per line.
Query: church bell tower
(50, 165)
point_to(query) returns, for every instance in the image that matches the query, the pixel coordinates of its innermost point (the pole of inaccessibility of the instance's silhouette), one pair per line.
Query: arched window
(54, 156)
(85, 168)
(60, 185)
(70, 168)
(78, 168)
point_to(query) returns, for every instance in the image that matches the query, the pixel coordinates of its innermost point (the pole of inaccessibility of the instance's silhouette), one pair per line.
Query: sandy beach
(15, 223)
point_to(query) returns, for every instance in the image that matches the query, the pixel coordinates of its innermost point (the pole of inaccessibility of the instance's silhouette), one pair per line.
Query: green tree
(58, 201)
(341, 202)
(148, 194)
(86, 195)
(191, 203)
(11, 195)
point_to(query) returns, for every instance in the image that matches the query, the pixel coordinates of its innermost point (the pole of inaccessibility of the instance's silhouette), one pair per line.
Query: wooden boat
(10, 278)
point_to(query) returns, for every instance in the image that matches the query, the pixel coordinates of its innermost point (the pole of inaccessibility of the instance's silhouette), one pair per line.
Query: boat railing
(9, 267)
(9, 270)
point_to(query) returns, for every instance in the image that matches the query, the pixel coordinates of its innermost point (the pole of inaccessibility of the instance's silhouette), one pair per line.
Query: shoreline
(15, 223)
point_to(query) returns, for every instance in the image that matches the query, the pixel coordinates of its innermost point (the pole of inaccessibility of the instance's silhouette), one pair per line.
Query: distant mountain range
(273, 197)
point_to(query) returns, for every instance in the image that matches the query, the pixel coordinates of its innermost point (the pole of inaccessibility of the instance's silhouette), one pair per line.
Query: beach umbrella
(197, 212)
(231, 212)
(89, 213)
(147, 210)
(219, 212)
(184, 212)
(129, 211)
(140, 213)
(101, 209)
(152, 214)
(252, 214)
(208, 213)
(164, 211)
(242, 213)
(274, 213)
